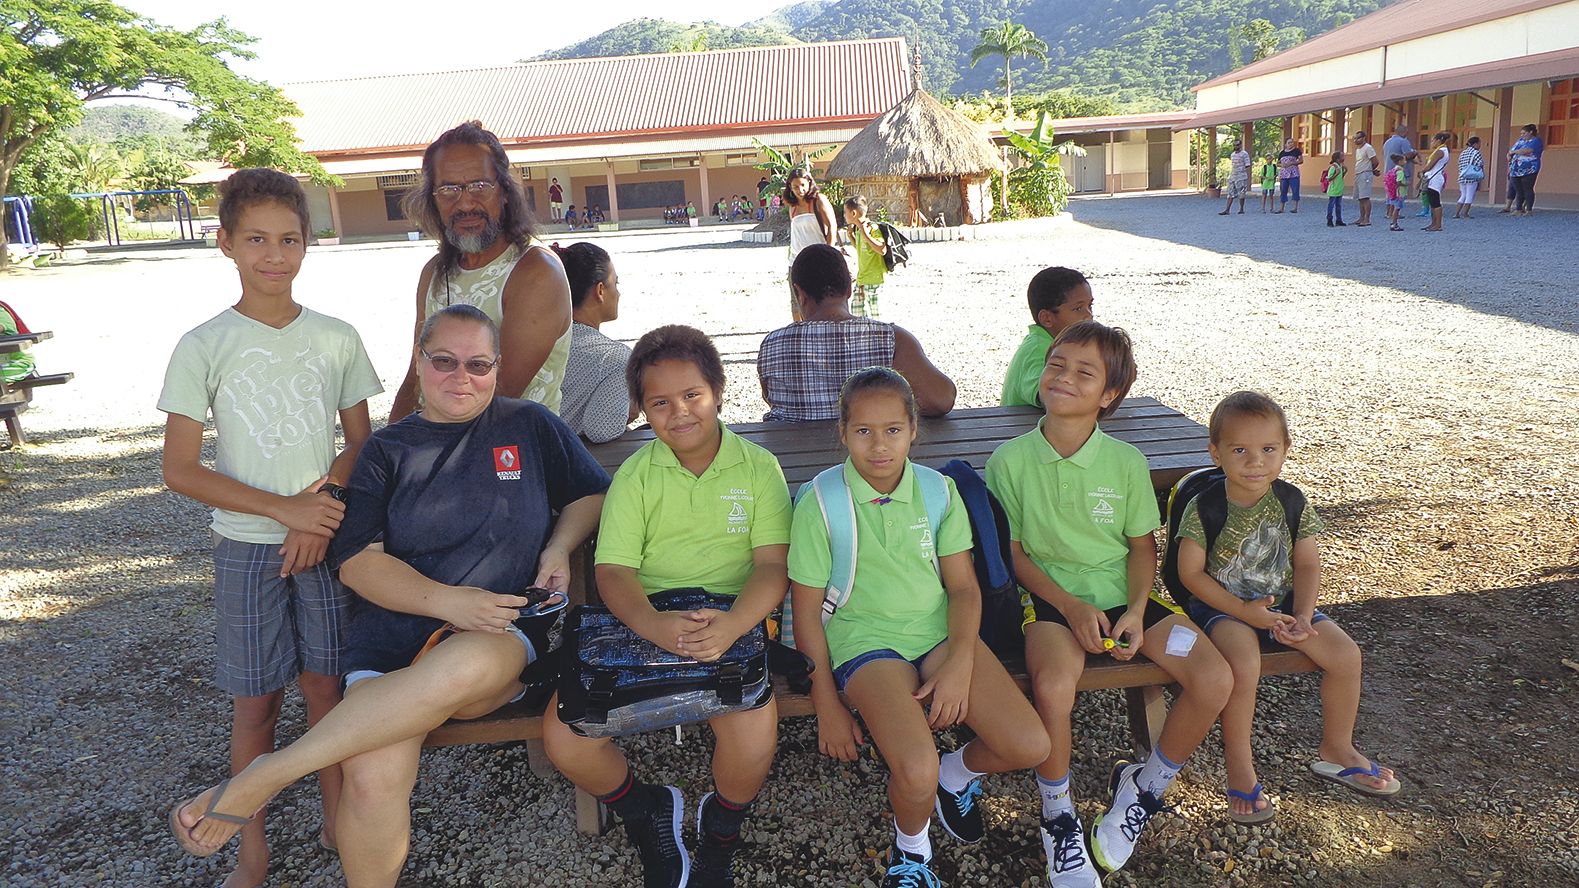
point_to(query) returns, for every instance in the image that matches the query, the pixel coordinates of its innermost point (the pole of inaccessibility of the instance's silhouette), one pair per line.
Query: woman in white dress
(811, 220)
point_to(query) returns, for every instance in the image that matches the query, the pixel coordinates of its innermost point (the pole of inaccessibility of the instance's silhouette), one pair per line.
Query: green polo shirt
(1023, 384)
(1073, 516)
(678, 530)
(898, 602)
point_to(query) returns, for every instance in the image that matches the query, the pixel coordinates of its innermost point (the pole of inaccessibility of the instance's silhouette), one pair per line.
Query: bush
(61, 220)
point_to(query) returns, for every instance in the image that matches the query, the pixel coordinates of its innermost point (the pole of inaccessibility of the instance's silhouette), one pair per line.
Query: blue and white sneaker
(1115, 832)
(907, 870)
(664, 862)
(960, 813)
(1068, 865)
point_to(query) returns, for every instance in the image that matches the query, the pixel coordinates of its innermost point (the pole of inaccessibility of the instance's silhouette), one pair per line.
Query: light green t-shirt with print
(1022, 385)
(898, 601)
(274, 395)
(677, 530)
(869, 267)
(1074, 515)
(1252, 556)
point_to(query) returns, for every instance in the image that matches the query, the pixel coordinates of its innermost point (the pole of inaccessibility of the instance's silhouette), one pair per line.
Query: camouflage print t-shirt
(1253, 557)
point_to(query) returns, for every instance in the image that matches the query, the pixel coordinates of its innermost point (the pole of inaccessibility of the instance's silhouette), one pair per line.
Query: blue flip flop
(1261, 815)
(1346, 777)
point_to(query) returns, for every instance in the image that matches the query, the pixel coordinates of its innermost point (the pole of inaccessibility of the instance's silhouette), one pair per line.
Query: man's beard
(472, 243)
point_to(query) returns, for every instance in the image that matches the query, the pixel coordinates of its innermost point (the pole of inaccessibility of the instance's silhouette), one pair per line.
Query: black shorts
(1039, 611)
(1433, 198)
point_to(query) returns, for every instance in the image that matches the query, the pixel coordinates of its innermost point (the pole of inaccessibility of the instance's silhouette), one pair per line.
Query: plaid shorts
(270, 629)
(863, 300)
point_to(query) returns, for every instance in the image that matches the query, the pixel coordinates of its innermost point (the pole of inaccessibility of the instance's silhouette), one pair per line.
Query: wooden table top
(1173, 443)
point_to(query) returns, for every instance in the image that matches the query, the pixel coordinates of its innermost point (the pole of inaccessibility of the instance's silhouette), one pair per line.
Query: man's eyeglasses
(480, 189)
(448, 363)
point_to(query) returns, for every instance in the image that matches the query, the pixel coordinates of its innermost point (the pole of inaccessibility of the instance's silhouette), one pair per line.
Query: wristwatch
(335, 490)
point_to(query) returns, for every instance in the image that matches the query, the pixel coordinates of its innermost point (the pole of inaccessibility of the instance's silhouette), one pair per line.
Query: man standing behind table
(1366, 169)
(471, 201)
(1399, 143)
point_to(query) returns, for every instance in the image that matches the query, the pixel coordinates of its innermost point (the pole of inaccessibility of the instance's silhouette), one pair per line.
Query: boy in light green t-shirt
(1081, 512)
(870, 248)
(1057, 297)
(700, 506)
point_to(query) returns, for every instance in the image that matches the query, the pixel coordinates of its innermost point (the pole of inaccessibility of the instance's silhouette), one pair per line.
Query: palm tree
(1010, 41)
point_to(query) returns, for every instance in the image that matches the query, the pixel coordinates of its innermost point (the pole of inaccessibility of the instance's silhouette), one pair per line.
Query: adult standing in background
(1471, 170)
(1434, 179)
(811, 221)
(471, 201)
(1238, 178)
(762, 198)
(1288, 163)
(1398, 143)
(596, 405)
(1524, 160)
(1366, 169)
(556, 201)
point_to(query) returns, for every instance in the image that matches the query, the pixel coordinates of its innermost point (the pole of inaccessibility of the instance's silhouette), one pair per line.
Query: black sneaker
(961, 814)
(658, 842)
(715, 860)
(907, 870)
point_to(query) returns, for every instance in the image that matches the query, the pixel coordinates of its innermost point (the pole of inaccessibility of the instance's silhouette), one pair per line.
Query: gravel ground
(1430, 380)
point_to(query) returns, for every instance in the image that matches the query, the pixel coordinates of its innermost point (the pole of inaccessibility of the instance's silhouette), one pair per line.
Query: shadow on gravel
(1484, 264)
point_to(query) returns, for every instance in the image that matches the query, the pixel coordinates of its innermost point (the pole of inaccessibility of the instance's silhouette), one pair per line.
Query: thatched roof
(917, 137)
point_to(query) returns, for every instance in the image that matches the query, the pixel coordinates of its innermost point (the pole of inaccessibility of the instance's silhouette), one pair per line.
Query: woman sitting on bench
(445, 624)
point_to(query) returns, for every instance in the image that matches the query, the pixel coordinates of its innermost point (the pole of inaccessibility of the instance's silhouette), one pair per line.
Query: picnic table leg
(537, 758)
(13, 427)
(591, 818)
(1148, 709)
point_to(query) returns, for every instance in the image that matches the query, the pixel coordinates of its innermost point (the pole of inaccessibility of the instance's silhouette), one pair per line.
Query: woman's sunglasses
(448, 363)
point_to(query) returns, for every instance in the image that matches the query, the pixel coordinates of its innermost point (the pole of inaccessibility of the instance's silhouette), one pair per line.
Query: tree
(60, 219)
(1039, 184)
(92, 167)
(58, 55)
(778, 165)
(1010, 41)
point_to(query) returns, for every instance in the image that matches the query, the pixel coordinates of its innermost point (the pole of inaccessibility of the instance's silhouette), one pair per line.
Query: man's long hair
(515, 221)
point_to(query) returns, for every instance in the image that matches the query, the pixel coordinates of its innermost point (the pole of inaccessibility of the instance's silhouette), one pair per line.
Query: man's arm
(935, 392)
(536, 314)
(406, 396)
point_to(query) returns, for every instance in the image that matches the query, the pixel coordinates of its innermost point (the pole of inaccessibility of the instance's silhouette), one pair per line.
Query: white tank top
(804, 231)
(484, 288)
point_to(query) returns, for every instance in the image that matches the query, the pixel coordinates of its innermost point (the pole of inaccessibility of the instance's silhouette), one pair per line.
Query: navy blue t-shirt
(465, 504)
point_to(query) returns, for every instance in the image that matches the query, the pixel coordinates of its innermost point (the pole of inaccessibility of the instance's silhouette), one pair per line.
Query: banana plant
(778, 164)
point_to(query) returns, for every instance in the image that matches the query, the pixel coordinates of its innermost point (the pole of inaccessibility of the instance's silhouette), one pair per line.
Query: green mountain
(1144, 54)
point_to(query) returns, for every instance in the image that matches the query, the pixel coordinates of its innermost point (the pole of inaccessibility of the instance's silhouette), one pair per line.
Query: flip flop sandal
(183, 836)
(1348, 777)
(1261, 815)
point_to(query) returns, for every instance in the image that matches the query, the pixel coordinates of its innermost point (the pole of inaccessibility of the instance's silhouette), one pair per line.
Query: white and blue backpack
(837, 506)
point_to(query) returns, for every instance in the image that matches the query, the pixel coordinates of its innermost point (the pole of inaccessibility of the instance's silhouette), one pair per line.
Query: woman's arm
(830, 229)
(576, 522)
(395, 585)
(934, 391)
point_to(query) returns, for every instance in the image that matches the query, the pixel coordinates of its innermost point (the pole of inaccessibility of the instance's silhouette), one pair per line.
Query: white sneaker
(1068, 865)
(1116, 831)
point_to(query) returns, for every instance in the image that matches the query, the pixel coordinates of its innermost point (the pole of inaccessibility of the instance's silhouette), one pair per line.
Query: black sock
(631, 800)
(722, 819)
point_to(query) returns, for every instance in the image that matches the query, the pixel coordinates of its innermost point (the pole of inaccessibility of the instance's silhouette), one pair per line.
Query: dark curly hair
(516, 222)
(1050, 288)
(249, 187)
(821, 273)
(674, 342)
(586, 266)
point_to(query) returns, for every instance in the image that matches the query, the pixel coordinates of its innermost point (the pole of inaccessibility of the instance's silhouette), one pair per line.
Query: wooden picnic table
(12, 342)
(16, 396)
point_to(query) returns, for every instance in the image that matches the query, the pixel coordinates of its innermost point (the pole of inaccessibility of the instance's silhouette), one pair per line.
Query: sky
(300, 40)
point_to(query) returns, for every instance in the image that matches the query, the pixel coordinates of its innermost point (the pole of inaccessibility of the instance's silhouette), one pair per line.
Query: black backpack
(1210, 487)
(1001, 611)
(898, 246)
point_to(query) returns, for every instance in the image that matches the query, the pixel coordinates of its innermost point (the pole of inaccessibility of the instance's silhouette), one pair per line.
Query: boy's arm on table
(949, 687)
(395, 585)
(184, 473)
(934, 391)
(1086, 623)
(1192, 572)
(838, 733)
(763, 591)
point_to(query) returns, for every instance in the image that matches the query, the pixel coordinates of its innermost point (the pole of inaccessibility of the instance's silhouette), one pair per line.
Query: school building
(1468, 67)
(632, 135)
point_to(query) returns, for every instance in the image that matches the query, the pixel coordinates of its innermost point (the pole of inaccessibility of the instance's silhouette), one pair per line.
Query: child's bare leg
(465, 676)
(1339, 658)
(743, 751)
(594, 764)
(322, 693)
(1005, 724)
(374, 819)
(882, 691)
(1055, 662)
(252, 725)
(1239, 646)
(1205, 683)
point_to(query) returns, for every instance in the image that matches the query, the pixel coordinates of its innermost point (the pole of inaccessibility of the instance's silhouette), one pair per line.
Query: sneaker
(1116, 830)
(664, 862)
(715, 860)
(1068, 865)
(907, 870)
(961, 814)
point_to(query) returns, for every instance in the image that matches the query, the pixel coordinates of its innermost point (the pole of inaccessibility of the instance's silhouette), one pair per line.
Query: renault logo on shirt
(507, 463)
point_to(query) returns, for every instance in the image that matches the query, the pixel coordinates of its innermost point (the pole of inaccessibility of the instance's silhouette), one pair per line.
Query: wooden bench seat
(15, 397)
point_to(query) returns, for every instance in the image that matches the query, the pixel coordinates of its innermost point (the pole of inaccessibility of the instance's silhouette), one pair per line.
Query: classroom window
(1562, 119)
(392, 199)
(740, 159)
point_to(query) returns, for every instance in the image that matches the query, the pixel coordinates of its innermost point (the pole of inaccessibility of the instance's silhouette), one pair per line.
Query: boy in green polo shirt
(1058, 297)
(870, 248)
(1081, 512)
(902, 645)
(704, 507)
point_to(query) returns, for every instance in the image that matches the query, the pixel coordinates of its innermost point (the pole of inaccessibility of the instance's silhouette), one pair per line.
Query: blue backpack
(837, 506)
(1001, 608)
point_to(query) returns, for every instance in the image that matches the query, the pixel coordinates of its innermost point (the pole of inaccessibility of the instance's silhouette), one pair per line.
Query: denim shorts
(381, 641)
(1204, 615)
(842, 672)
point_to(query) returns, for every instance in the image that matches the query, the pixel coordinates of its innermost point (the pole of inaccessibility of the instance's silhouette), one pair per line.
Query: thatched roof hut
(919, 160)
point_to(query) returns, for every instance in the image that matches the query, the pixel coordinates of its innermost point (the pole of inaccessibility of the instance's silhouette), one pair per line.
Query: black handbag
(614, 682)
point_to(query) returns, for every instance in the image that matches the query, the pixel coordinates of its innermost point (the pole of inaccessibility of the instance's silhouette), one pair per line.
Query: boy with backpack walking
(870, 248)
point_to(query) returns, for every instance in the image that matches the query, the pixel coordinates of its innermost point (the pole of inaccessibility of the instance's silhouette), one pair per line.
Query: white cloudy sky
(302, 40)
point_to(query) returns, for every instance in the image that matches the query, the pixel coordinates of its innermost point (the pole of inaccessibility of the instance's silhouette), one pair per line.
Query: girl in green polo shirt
(699, 507)
(903, 646)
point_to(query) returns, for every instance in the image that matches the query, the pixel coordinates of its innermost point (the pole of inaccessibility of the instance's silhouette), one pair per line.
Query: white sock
(1055, 796)
(919, 844)
(1156, 775)
(953, 774)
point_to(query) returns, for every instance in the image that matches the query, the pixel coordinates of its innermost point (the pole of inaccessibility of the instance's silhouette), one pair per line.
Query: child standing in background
(1335, 174)
(870, 248)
